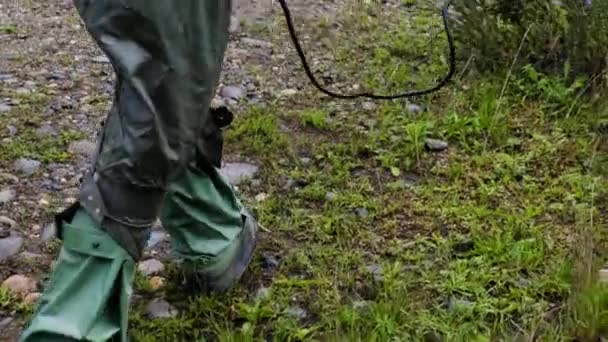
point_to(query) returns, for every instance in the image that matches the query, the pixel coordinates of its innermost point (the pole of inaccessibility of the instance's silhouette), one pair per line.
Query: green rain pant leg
(167, 56)
(202, 214)
(211, 232)
(88, 294)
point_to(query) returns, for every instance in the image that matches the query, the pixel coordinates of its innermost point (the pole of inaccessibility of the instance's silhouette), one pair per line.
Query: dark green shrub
(568, 38)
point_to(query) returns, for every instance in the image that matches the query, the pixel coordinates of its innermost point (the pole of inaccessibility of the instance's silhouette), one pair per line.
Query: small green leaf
(395, 171)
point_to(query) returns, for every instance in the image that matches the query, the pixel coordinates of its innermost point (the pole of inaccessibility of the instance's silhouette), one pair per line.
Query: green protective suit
(159, 156)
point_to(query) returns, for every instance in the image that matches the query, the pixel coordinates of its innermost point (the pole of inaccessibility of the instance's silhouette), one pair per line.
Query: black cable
(442, 83)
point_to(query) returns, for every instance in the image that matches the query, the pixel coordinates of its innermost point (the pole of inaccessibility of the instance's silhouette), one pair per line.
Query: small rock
(32, 298)
(261, 197)
(256, 42)
(157, 282)
(360, 305)
(159, 308)
(330, 196)
(603, 276)
(5, 322)
(368, 105)
(288, 92)
(235, 25)
(432, 337)
(10, 246)
(46, 130)
(49, 232)
(101, 59)
(455, 303)
(217, 102)
(7, 195)
(6, 221)
(362, 212)
(238, 172)
(12, 130)
(436, 145)
(297, 312)
(22, 91)
(31, 257)
(27, 167)
(269, 262)
(4, 107)
(150, 267)
(262, 293)
(232, 92)
(156, 237)
(464, 246)
(305, 161)
(377, 272)
(413, 108)
(9, 177)
(84, 148)
(19, 285)
(524, 282)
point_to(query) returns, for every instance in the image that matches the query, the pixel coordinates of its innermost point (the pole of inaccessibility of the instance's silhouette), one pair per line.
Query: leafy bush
(568, 38)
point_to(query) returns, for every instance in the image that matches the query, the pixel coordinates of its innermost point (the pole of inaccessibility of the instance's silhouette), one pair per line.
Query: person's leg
(167, 56)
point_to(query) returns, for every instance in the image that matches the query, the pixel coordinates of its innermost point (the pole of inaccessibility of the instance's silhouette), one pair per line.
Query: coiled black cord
(413, 93)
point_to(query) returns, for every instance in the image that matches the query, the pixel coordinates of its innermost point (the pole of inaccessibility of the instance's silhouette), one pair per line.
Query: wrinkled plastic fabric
(87, 297)
(201, 214)
(168, 57)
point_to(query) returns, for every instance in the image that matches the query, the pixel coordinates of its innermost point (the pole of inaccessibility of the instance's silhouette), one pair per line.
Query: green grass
(497, 238)
(27, 117)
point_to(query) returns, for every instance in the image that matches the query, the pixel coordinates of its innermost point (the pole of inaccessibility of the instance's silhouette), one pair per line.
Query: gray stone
(436, 145)
(84, 148)
(360, 305)
(362, 212)
(159, 308)
(367, 105)
(233, 92)
(49, 232)
(27, 167)
(8, 222)
(101, 59)
(297, 312)
(46, 130)
(4, 322)
(288, 92)
(150, 267)
(10, 246)
(22, 91)
(269, 262)
(238, 172)
(12, 130)
(455, 303)
(4, 107)
(262, 293)
(413, 108)
(7, 195)
(156, 237)
(377, 272)
(256, 42)
(330, 196)
(235, 24)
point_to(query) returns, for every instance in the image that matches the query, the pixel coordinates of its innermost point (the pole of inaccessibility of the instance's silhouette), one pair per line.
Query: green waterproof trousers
(158, 156)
